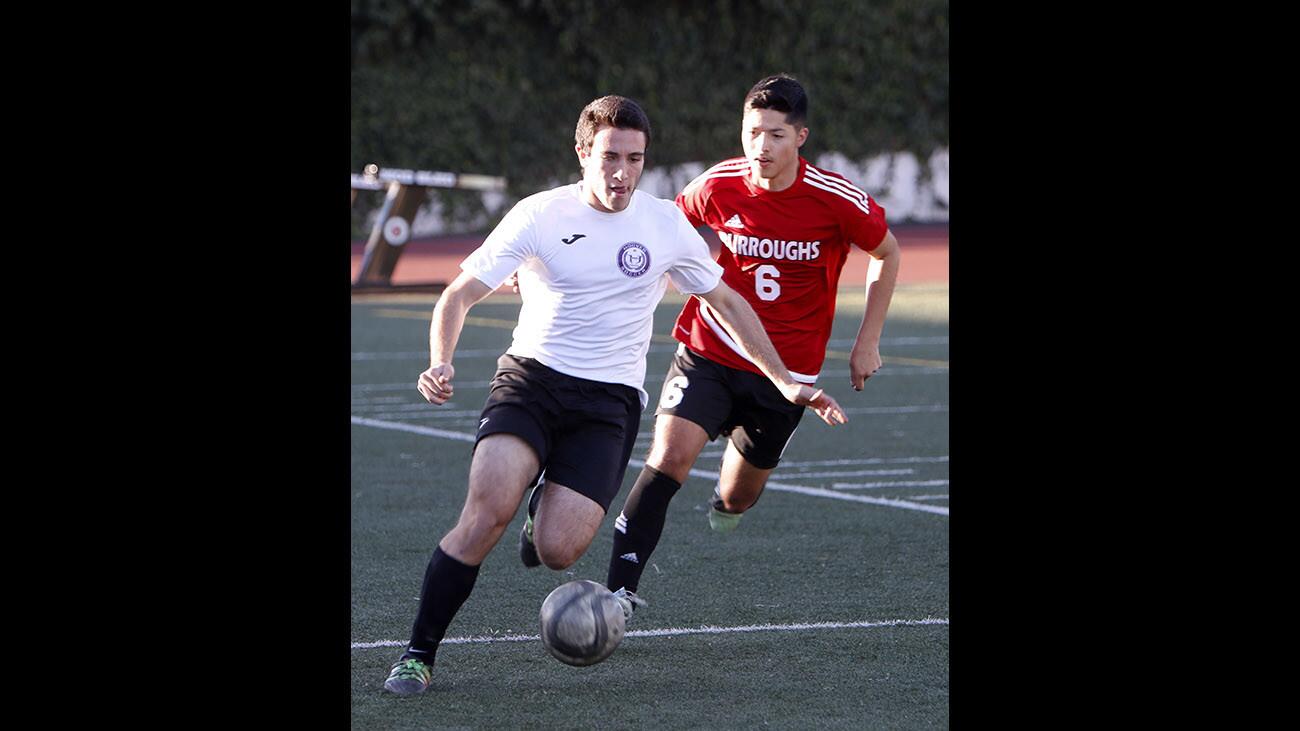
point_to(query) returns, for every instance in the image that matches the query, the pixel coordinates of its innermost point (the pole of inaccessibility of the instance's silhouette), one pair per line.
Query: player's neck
(780, 182)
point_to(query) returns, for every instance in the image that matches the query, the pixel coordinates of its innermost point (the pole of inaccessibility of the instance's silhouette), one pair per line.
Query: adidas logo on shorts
(630, 557)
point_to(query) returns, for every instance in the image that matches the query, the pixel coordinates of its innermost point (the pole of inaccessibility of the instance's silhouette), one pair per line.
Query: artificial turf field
(827, 607)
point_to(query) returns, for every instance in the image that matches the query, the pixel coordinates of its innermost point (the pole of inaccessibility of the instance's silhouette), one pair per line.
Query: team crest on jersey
(634, 259)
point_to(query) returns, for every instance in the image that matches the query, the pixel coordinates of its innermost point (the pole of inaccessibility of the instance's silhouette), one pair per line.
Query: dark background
(494, 87)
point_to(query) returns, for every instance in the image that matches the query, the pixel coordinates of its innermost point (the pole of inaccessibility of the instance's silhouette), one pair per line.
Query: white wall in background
(893, 180)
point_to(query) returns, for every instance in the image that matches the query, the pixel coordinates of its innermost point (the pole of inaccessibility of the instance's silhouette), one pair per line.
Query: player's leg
(596, 428)
(766, 423)
(739, 485)
(564, 525)
(502, 465)
(739, 482)
(511, 446)
(692, 406)
(677, 443)
(584, 473)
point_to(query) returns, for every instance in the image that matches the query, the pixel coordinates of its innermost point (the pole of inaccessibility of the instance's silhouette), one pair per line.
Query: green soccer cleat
(719, 519)
(409, 677)
(629, 602)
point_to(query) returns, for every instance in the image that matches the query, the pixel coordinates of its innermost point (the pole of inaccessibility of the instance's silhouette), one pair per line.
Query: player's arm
(444, 331)
(864, 360)
(739, 318)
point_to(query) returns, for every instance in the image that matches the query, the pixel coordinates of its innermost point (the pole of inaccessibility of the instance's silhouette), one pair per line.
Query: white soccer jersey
(590, 280)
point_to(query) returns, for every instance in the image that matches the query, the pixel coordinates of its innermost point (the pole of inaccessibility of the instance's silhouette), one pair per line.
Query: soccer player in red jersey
(786, 228)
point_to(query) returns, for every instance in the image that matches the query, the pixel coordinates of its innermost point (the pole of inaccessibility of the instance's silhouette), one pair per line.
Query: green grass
(794, 559)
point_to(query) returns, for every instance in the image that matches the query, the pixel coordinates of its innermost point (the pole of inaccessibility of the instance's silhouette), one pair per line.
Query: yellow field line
(510, 325)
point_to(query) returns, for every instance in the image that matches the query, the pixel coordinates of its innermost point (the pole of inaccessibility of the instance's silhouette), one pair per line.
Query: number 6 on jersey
(765, 283)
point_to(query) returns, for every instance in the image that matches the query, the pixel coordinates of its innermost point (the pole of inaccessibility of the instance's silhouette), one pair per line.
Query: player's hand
(819, 401)
(864, 361)
(435, 384)
(513, 281)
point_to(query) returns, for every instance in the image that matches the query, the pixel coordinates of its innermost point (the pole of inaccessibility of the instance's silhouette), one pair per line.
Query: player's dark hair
(780, 93)
(615, 111)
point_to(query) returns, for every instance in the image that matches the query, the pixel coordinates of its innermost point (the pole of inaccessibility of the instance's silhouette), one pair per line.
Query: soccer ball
(582, 623)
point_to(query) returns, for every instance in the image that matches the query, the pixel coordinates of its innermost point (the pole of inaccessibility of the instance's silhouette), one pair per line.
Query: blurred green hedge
(495, 86)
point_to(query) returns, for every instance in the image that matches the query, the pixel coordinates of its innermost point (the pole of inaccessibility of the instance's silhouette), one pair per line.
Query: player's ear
(582, 154)
(802, 136)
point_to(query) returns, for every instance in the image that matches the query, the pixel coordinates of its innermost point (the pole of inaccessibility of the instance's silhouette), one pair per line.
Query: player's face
(611, 170)
(771, 144)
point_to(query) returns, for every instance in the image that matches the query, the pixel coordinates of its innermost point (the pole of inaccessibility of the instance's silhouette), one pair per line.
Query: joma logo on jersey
(742, 245)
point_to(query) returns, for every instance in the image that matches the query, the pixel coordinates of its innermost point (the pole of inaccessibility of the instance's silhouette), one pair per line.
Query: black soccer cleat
(528, 551)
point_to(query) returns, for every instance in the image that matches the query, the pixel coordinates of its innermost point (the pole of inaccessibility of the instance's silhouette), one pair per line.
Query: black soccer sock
(637, 530)
(447, 584)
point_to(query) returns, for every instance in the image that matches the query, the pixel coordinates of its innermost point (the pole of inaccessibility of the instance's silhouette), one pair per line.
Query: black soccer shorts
(583, 431)
(724, 400)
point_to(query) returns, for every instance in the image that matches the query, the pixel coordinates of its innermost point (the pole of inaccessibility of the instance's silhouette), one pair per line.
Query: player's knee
(672, 462)
(483, 520)
(556, 557)
(558, 549)
(739, 498)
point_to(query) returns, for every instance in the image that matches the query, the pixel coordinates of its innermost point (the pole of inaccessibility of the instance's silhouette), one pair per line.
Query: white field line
(638, 464)
(412, 428)
(821, 492)
(871, 485)
(871, 460)
(927, 497)
(678, 631)
(850, 473)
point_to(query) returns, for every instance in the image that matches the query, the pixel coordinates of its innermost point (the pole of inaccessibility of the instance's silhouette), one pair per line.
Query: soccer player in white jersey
(594, 260)
(786, 228)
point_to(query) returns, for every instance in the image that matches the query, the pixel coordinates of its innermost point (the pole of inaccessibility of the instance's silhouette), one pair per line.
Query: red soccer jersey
(783, 251)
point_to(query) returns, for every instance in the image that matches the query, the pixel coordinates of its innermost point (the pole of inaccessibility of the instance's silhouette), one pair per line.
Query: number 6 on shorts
(673, 392)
